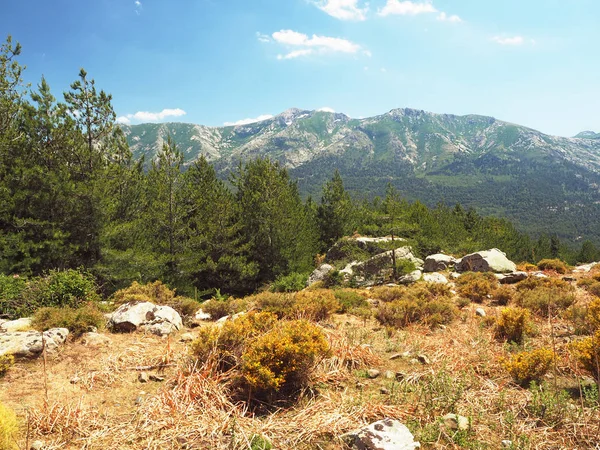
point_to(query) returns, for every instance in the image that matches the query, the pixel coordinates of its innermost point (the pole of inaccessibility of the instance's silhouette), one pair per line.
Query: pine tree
(334, 212)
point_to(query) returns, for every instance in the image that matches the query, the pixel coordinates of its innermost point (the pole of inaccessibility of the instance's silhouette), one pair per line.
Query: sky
(216, 62)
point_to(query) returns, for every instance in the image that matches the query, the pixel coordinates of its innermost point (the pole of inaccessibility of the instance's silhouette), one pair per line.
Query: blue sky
(531, 62)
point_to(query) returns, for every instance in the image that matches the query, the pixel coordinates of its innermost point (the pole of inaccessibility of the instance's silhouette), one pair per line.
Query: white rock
(95, 340)
(437, 262)
(319, 274)
(22, 324)
(28, 344)
(585, 267)
(480, 312)
(435, 278)
(492, 260)
(456, 422)
(156, 319)
(411, 277)
(386, 434)
(201, 315)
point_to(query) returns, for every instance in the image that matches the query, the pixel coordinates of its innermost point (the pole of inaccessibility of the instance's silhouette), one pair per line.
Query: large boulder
(28, 344)
(438, 262)
(147, 316)
(319, 274)
(386, 434)
(435, 278)
(512, 277)
(486, 261)
(22, 324)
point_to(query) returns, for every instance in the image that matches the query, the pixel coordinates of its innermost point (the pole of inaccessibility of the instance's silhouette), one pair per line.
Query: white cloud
(310, 45)
(343, 9)
(138, 7)
(326, 109)
(145, 116)
(406, 8)
(248, 121)
(367, 53)
(263, 37)
(443, 17)
(515, 40)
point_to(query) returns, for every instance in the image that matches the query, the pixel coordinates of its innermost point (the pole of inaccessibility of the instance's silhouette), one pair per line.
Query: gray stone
(22, 324)
(506, 443)
(37, 445)
(186, 337)
(584, 268)
(160, 320)
(412, 277)
(384, 391)
(480, 312)
(435, 278)
(319, 274)
(28, 344)
(201, 315)
(456, 422)
(386, 434)
(143, 377)
(486, 261)
(373, 373)
(95, 340)
(390, 374)
(423, 359)
(512, 277)
(438, 262)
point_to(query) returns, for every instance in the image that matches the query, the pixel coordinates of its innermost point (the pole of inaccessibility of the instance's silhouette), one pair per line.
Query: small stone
(384, 391)
(456, 422)
(396, 356)
(386, 434)
(390, 375)
(400, 376)
(480, 312)
(506, 443)
(156, 378)
(360, 386)
(373, 373)
(143, 377)
(423, 359)
(37, 445)
(187, 337)
(74, 380)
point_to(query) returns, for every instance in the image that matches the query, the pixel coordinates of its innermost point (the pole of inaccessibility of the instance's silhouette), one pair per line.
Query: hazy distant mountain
(542, 182)
(588, 135)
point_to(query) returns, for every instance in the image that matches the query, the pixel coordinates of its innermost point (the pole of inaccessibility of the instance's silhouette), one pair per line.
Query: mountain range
(543, 183)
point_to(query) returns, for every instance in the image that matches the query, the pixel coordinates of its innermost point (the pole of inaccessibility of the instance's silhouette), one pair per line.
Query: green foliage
(314, 304)
(513, 324)
(11, 288)
(292, 282)
(350, 300)
(155, 292)
(553, 264)
(546, 299)
(477, 286)
(529, 366)
(6, 362)
(334, 212)
(258, 442)
(76, 320)
(550, 407)
(9, 427)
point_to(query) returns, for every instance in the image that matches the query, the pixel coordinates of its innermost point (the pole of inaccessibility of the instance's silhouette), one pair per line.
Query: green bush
(349, 299)
(9, 428)
(316, 305)
(11, 288)
(292, 282)
(156, 292)
(404, 267)
(76, 320)
(553, 264)
(477, 286)
(543, 300)
(6, 362)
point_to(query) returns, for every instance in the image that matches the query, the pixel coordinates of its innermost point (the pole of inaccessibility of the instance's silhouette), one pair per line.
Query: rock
(568, 279)
(37, 445)
(400, 376)
(506, 443)
(455, 275)
(95, 340)
(186, 337)
(373, 302)
(390, 375)
(585, 267)
(157, 378)
(319, 274)
(539, 275)
(423, 359)
(438, 262)
(27, 344)
(456, 422)
(435, 278)
(386, 434)
(143, 377)
(74, 380)
(384, 391)
(396, 356)
(512, 277)
(373, 373)
(486, 261)
(201, 315)
(223, 319)
(411, 277)
(371, 245)
(160, 320)
(11, 326)
(480, 312)
(374, 270)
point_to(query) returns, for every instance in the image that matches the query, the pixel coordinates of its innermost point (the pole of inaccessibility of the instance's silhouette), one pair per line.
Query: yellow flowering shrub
(6, 362)
(593, 314)
(283, 357)
(525, 367)
(587, 352)
(513, 324)
(553, 264)
(316, 305)
(8, 428)
(152, 292)
(476, 286)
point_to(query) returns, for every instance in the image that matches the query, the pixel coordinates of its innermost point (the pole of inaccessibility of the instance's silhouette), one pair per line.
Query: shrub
(405, 266)
(549, 405)
(8, 428)
(11, 288)
(534, 283)
(315, 305)
(388, 294)
(553, 264)
(76, 320)
(350, 300)
(6, 362)
(529, 366)
(593, 314)
(585, 282)
(281, 304)
(185, 306)
(587, 352)
(71, 288)
(290, 283)
(476, 286)
(503, 295)
(155, 292)
(543, 300)
(414, 309)
(513, 324)
(594, 289)
(282, 358)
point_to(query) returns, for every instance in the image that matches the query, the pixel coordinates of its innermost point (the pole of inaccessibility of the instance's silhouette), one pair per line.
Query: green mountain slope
(543, 183)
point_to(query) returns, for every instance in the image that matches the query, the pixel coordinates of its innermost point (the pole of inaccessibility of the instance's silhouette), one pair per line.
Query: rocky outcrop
(410, 278)
(512, 277)
(319, 274)
(369, 245)
(486, 261)
(438, 262)
(146, 316)
(386, 434)
(435, 278)
(28, 344)
(22, 324)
